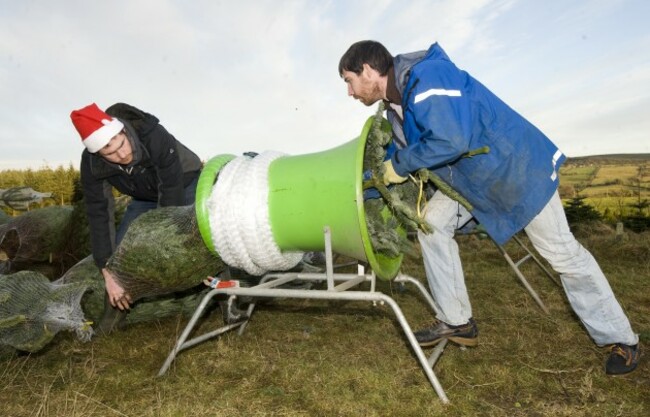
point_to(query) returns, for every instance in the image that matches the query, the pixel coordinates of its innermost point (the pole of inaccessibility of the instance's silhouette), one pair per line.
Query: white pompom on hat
(95, 127)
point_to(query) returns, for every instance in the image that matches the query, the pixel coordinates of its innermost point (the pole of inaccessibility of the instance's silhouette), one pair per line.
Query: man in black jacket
(126, 148)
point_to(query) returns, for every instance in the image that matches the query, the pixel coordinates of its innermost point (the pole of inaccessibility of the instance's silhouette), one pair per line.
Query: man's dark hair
(366, 52)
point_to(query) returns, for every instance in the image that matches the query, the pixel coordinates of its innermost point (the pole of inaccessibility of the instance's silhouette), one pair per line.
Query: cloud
(229, 77)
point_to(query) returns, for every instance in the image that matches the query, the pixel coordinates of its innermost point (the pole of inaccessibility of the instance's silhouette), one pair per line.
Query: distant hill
(615, 158)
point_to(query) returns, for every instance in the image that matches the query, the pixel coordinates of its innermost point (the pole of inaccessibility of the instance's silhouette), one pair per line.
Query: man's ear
(369, 72)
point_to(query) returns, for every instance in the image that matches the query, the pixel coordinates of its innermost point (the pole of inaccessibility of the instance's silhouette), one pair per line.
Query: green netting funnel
(308, 192)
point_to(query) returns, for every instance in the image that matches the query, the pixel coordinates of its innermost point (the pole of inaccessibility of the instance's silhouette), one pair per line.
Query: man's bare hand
(116, 294)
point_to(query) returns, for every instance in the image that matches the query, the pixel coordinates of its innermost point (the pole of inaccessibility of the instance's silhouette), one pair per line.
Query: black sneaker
(465, 334)
(622, 359)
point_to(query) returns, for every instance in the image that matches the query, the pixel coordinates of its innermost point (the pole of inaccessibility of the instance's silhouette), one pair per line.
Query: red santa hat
(95, 127)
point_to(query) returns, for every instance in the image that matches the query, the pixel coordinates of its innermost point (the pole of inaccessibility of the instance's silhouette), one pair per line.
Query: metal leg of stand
(406, 278)
(329, 269)
(522, 278)
(249, 313)
(435, 355)
(419, 353)
(439, 349)
(537, 261)
(181, 344)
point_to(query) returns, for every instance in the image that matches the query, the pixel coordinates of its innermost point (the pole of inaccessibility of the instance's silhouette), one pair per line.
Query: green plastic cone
(309, 192)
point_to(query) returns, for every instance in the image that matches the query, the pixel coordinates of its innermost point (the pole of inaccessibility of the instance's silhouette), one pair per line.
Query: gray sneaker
(464, 334)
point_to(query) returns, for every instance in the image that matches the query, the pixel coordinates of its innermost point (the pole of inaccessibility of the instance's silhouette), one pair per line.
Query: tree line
(59, 181)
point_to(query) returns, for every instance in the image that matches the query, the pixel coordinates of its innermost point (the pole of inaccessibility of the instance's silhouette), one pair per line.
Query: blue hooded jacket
(447, 113)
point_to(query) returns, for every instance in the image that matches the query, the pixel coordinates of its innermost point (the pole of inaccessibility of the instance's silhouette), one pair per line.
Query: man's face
(365, 87)
(118, 150)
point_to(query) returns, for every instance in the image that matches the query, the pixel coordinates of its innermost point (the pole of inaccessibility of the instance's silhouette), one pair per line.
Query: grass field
(577, 175)
(311, 358)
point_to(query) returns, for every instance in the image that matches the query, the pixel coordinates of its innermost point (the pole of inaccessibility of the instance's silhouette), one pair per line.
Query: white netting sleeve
(239, 217)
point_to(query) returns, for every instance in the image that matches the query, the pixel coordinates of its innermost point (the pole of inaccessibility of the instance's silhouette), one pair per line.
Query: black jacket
(161, 168)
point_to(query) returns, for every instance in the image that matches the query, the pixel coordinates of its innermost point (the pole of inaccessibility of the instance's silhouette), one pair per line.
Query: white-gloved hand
(390, 176)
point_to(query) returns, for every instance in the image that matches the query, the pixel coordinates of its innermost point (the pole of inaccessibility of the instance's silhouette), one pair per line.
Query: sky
(227, 77)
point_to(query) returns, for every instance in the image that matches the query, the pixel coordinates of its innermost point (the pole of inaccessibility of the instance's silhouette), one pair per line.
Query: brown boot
(464, 334)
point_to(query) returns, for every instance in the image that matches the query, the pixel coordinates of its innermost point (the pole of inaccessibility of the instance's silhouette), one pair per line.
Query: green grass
(314, 358)
(616, 205)
(576, 175)
(619, 173)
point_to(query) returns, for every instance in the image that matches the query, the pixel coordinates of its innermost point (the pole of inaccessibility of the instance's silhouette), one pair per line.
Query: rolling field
(611, 184)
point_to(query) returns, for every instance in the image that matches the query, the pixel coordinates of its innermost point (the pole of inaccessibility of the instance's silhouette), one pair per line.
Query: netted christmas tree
(146, 309)
(33, 310)
(38, 238)
(162, 252)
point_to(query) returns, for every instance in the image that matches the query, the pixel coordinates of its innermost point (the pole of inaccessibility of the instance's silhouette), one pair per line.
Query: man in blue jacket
(439, 113)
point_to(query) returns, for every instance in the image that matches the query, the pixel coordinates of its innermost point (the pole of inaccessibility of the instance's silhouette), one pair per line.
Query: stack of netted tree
(161, 262)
